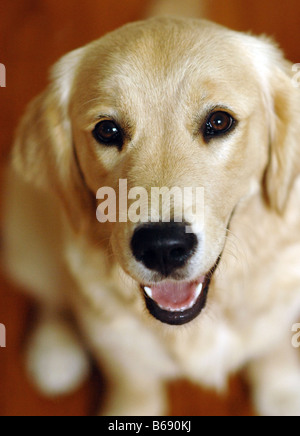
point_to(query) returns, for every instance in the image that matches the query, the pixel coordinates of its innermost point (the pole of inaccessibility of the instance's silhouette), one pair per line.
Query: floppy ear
(43, 152)
(284, 152)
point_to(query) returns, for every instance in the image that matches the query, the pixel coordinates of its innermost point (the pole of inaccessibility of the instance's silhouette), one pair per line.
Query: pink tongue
(174, 295)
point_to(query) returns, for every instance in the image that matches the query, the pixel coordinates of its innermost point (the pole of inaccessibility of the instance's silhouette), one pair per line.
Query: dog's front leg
(275, 381)
(134, 362)
(133, 395)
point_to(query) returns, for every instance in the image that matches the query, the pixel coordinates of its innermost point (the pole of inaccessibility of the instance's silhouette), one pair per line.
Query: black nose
(163, 247)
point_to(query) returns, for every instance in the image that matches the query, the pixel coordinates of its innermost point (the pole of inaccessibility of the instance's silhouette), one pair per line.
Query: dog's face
(169, 104)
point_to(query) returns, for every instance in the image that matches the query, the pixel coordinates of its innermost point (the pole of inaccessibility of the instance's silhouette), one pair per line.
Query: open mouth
(178, 303)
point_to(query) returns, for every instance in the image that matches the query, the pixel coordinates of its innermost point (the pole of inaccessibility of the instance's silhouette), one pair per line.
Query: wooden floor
(34, 33)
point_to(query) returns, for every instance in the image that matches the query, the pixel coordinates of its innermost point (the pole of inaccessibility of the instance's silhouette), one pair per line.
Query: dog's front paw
(280, 399)
(55, 361)
(138, 400)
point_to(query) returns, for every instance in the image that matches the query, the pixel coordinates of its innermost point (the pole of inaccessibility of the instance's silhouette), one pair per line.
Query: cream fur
(160, 77)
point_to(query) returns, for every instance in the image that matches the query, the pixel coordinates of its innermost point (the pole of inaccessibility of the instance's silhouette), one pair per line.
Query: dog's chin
(178, 302)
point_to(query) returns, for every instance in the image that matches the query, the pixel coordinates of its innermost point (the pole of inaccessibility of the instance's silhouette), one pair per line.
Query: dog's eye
(217, 124)
(108, 132)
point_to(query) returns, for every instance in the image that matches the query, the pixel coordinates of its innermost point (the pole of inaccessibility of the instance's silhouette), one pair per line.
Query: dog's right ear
(40, 135)
(43, 152)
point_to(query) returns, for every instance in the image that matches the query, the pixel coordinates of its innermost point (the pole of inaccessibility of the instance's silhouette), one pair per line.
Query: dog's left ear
(284, 152)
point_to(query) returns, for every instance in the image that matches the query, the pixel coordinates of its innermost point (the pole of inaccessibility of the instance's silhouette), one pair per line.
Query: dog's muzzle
(165, 248)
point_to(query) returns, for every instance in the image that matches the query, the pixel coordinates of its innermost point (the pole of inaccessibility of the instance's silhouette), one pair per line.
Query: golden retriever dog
(158, 291)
